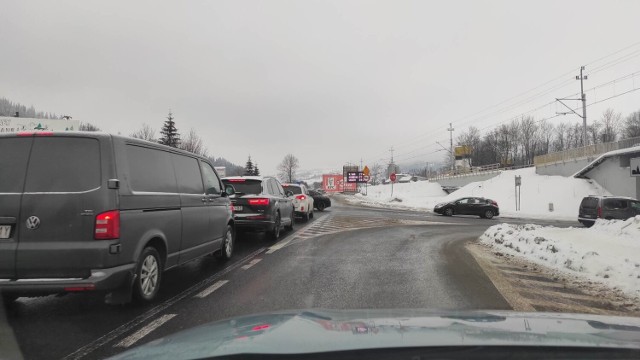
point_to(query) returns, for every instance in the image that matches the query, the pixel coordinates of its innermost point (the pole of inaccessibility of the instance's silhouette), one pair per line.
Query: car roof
(611, 197)
(290, 184)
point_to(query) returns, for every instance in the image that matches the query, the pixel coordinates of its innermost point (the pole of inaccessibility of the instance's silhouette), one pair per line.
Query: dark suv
(607, 207)
(95, 212)
(260, 203)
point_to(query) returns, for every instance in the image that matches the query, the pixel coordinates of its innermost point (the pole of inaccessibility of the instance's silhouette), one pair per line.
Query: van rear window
(63, 164)
(589, 203)
(14, 153)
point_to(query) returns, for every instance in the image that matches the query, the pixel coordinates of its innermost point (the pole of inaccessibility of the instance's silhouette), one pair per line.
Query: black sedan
(485, 208)
(320, 201)
(260, 203)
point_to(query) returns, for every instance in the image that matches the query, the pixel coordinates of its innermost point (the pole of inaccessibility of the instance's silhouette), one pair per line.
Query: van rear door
(63, 193)
(14, 156)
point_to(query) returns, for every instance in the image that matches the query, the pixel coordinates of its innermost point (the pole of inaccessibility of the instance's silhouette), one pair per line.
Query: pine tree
(248, 168)
(256, 171)
(170, 135)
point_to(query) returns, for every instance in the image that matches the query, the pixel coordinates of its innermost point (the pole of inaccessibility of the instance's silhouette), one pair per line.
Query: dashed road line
(206, 292)
(124, 328)
(136, 336)
(250, 264)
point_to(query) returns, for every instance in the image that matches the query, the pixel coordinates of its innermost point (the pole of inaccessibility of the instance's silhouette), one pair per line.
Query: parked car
(320, 201)
(485, 208)
(260, 203)
(607, 207)
(302, 201)
(95, 212)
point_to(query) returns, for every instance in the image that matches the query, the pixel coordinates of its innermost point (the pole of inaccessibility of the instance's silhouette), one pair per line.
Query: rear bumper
(581, 219)
(242, 222)
(100, 280)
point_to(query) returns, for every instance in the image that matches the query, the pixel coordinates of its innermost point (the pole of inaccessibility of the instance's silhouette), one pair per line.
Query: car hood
(296, 332)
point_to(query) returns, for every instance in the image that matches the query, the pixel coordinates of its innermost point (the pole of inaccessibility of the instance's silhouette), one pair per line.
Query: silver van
(95, 212)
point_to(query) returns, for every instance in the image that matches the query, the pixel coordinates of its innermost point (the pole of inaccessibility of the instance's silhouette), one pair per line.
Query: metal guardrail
(585, 151)
(481, 170)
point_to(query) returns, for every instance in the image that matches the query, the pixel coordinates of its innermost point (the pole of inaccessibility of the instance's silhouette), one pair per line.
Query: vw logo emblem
(33, 222)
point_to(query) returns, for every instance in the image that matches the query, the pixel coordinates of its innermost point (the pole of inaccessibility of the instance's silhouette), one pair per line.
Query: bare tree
(529, 138)
(193, 143)
(610, 125)
(375, 173)
(146, 132)
(546, 136)
(288, 167)
(632, 125)
(88, 127)
(593, 132)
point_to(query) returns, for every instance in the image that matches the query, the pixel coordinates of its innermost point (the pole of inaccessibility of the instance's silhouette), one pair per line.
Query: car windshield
(475, 168)
(294, 189)
(245, 186)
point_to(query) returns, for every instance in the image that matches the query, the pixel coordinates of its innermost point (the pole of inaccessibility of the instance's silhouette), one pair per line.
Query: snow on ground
(608, 252)
(412, 195)
(537, 192)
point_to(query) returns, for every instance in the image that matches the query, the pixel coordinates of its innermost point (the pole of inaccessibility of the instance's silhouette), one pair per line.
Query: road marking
(122, 329)
(211, 289)
(136, 336)
(251, 263)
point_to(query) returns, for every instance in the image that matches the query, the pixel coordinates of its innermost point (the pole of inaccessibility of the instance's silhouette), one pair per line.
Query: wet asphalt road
(345, 258)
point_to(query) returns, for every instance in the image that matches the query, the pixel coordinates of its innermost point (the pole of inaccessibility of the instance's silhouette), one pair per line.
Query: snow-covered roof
(603, 157)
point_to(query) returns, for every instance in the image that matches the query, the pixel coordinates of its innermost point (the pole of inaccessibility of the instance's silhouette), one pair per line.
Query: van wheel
(275, 233)
(148, 275)
(226, 251)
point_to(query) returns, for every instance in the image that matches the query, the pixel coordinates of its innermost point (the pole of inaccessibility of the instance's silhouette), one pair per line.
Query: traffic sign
(392, 177)
(365, 171)
(366, 178)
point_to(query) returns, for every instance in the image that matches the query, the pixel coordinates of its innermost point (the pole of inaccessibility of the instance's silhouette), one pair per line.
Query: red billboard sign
(336, 183)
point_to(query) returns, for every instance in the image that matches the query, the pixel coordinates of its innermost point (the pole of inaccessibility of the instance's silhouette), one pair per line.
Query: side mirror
(289, 193)
(229, 190)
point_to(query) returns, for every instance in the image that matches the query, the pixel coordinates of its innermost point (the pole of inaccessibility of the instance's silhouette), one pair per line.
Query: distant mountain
(10, 108)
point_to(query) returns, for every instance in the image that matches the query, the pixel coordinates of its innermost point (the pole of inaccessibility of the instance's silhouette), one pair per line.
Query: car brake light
(235, 180)
(259, 202)
(107, 225)
(599, 212)
(301, 197)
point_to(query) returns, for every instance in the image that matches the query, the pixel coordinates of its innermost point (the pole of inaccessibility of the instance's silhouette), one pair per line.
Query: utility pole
(584, 107)
(583, 98)
(450, 130)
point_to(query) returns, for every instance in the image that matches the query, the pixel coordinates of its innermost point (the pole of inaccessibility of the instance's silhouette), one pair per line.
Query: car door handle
(204, 199)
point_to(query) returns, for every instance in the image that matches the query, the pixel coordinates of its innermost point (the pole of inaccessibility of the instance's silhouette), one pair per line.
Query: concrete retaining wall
(566, 168)
(467, 179)
(614, 175)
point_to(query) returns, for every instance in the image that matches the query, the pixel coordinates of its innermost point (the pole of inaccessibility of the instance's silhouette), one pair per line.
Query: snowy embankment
(537, 192)
(608, 252)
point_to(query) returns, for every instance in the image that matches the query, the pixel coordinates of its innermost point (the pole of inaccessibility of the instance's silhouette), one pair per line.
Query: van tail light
(107, 225)
(599, 212)
(35, 133)
(259, 202)
(301, 197)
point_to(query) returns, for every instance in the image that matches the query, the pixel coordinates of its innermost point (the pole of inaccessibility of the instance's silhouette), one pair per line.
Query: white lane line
(217, 285)
(136, 336)
(122, 329)
(250, 264)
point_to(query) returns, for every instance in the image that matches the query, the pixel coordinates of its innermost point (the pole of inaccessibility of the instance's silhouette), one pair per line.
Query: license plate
(237, 208)
(5, 230)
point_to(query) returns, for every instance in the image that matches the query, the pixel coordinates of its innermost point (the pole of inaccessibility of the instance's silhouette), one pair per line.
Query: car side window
(463, 201)
(635, 205)
(188, 175)
(211, 180)
(279, 188)
(269, 187)
(615, 204)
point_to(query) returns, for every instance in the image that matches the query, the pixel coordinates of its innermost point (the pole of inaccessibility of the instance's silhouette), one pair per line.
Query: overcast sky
(328, 81)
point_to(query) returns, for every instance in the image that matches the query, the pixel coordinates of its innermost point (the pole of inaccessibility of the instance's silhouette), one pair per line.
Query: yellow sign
(365, 171)
(461, 151)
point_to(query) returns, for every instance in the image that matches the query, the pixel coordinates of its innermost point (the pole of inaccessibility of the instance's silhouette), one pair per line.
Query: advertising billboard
(334, 183)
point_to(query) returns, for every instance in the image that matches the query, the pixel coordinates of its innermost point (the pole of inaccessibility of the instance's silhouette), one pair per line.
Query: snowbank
(413, 195)
(608, 252)
(537, 192)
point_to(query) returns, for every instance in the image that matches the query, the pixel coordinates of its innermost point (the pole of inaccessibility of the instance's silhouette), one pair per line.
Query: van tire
(228, 243)
(148, 275)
